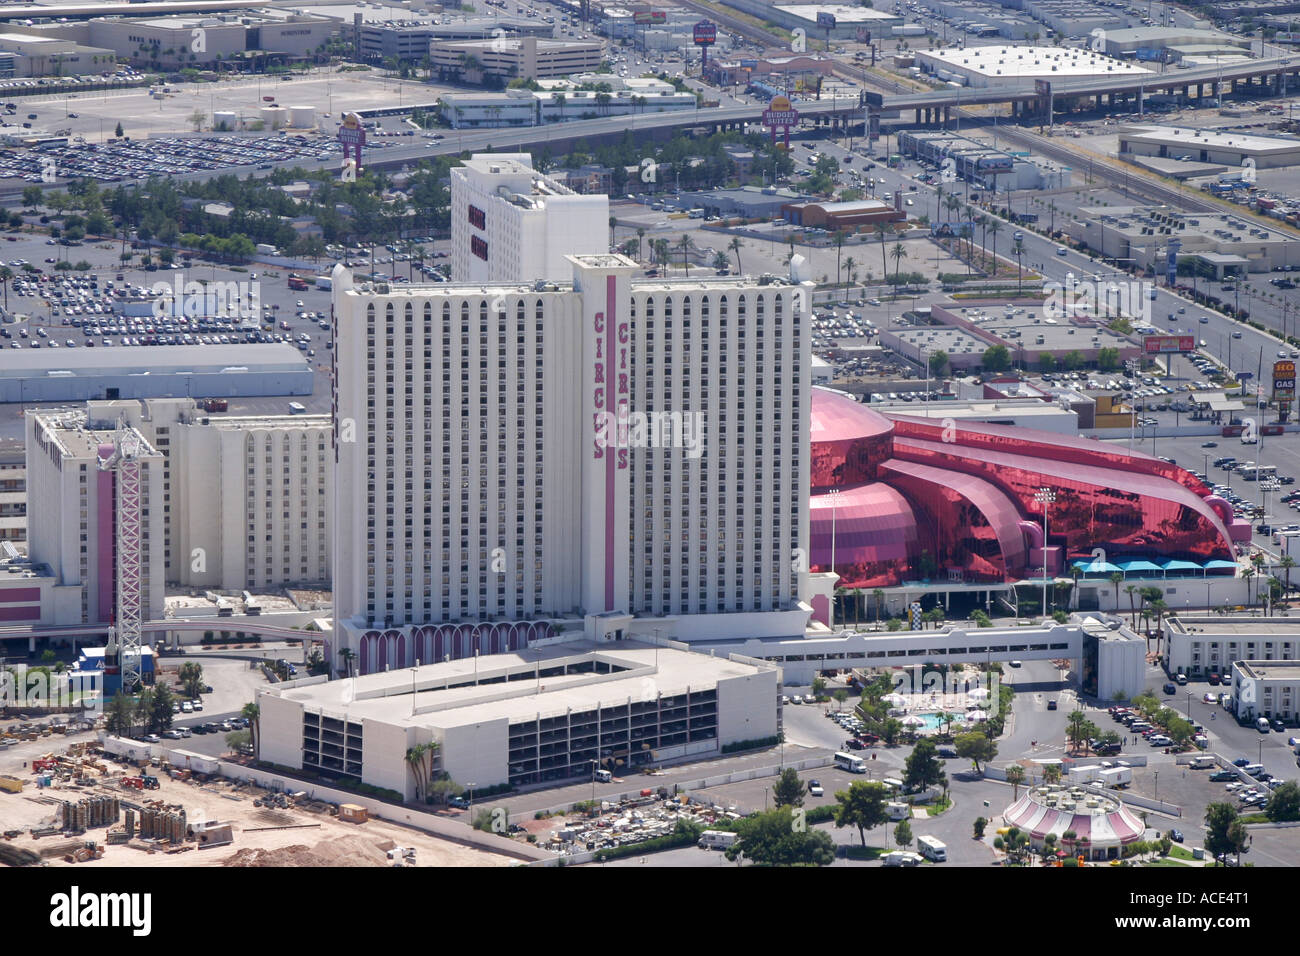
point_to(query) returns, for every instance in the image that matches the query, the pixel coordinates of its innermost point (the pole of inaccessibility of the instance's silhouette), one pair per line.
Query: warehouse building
(999, 65)
(409, 42)
(1229, 244)
(152, 371)
(1148, 43)
(842, 215)
(1209, 146)
(523, 717)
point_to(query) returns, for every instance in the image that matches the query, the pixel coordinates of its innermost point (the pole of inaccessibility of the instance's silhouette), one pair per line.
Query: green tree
(118, 131)
(1284, 804)
(1015, 844)
(1052, 773)
(891, 730)
(938, 362)
(923, 768)
(996, 359)
(1238, 837)
(119, 720)
(789, 790)
(160, 716)
(978, 827)
(976, 747)
(777, 838)
(191, 678)
(863, 805)
(840, 696)
(1219, 818)
(1015, 777)
(903, 834)
(1079, 729)
(253, 714)
(1180, 731)
(419, 760)
(237, 740)
(819, 687)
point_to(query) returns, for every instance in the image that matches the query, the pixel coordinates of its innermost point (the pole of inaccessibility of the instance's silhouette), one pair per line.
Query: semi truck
(1116, 776)
(1089, 774)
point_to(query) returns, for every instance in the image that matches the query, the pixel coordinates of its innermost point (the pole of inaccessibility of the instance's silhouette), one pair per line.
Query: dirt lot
(318, 839)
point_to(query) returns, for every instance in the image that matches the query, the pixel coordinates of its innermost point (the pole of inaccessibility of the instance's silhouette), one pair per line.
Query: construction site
(81, 806)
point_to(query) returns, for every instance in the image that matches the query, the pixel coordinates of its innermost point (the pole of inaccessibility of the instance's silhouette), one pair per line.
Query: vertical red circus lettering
(599, 439)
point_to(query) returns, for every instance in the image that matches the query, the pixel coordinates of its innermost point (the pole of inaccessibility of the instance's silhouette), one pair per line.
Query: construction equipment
(149, 783)
(133, 783)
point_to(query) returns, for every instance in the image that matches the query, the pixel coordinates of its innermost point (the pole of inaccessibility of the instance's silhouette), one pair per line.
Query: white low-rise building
(531, 716)
(1266, 689)
(1198, 646)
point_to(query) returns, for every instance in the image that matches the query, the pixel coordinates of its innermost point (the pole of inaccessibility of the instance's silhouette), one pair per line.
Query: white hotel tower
(510, 223)
(617, 456)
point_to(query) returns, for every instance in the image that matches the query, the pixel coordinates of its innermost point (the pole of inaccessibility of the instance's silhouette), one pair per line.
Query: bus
(1258, 472)
(847, 761)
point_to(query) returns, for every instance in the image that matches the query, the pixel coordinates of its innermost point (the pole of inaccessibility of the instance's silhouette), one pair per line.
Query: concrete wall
(279, 737)
(477, 753)
(383, 756)
(747, 707)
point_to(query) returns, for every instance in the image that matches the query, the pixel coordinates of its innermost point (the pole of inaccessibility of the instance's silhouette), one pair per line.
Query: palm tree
(938, 202)
(613, 231)
(1019, 249)
(1287, 563)
(1015, 777)
(881, 232)
(857, 606)
(983, 223)
(1159, 606)
(686, 244)
(850, 273)
(5, 275)
(898, 254)
(1248, 573)
(420, 761)
(1116, 579)
(1130, 591)
(994, 228)
(840, 236)
(252, 713)
(878, 595)
(560, 100)
(640, 234)
(735, 246)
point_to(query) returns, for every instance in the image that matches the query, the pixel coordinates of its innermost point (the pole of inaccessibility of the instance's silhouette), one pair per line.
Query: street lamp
(1045, 496)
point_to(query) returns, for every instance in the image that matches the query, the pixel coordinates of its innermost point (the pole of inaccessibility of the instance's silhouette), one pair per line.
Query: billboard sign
(653, 16)
(1163, 344)
(706, 33)
(994, 164)
(864, 35)
(826, 20)
(780, 113)
(1171, 262)
(947, 230)
(1042, 87)
(1284, 377)
(352, 133)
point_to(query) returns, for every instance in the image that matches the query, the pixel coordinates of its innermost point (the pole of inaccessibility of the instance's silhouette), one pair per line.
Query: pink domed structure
(912, 498)
(1101, 825)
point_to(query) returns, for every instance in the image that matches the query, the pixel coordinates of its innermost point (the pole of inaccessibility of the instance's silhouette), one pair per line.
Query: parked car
(815, 788)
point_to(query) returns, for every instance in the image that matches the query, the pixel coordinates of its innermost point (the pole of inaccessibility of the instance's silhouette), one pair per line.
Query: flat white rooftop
(841, 12)
(465, 692)
(1030, 62)
(1214, 139)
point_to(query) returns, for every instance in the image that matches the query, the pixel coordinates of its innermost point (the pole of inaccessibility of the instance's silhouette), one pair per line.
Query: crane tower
(124, 635)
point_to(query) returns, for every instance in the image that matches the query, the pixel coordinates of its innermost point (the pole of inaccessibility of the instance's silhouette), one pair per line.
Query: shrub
(686, 833)
(758, 744)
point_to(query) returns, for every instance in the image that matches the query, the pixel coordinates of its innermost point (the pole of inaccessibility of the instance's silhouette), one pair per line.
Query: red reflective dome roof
(837, 417)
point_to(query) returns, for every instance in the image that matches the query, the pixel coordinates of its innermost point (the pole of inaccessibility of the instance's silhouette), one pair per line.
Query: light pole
(1157, 778)
(1045, 496)
(470, 788)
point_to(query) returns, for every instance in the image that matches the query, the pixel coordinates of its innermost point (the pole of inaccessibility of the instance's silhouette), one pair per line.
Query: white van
(1202, 762)
(932, 849)
(717, 839)
(603, 776)
(1262, 725)
(901, 858)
